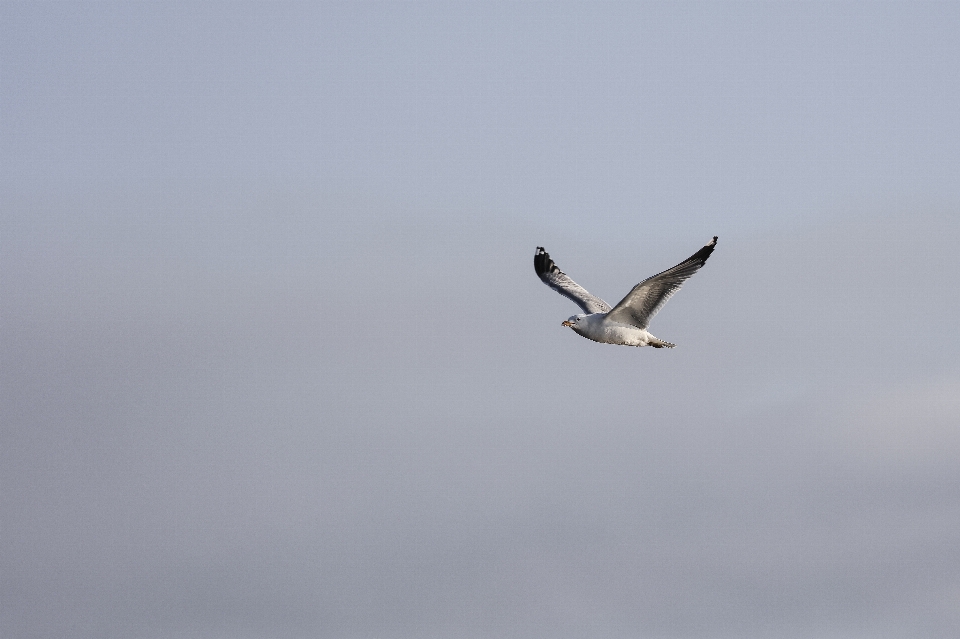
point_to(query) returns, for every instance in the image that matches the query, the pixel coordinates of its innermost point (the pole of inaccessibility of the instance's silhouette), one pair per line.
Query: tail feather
(656, 342)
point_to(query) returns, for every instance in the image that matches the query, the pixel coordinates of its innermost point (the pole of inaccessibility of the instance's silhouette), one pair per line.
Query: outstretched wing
(649, 296)
(561, 283)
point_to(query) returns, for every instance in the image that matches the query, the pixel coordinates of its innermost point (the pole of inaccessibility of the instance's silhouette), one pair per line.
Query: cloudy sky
(274, 361)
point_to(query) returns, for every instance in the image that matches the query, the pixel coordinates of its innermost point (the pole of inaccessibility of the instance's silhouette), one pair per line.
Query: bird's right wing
(561, 283)
(649, 296)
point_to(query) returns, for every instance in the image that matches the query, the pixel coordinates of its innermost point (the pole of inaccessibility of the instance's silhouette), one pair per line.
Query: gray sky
(274, 361)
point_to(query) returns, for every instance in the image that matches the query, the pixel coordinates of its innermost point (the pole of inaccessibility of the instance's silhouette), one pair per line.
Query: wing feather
(561, 283)
(649, 296)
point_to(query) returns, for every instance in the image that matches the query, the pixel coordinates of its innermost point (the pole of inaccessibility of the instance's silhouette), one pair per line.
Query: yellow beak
(566, 323)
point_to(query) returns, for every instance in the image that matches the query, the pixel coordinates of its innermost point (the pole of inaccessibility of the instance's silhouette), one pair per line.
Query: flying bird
(626, 323)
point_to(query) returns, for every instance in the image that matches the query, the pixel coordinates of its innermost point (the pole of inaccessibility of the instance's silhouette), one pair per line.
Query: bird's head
(572, 321)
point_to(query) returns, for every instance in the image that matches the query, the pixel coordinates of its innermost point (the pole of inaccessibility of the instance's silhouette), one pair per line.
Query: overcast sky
(274, 361)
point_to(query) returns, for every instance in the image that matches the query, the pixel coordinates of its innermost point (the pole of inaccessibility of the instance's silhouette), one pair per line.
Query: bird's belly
(617, 334)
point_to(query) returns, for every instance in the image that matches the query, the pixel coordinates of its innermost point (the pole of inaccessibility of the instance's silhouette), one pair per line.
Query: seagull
(626, 323)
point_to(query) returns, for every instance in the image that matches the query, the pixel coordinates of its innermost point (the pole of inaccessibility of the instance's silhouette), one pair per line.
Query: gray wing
(561, 283)
(649, 296)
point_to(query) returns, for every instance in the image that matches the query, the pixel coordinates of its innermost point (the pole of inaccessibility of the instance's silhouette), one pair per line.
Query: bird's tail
(656, 342)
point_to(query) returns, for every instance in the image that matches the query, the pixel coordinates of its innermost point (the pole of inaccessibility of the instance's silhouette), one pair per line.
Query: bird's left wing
(649, 296)
(561, 283)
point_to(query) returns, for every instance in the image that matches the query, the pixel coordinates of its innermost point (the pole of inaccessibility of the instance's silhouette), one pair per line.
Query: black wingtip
(542, 262)
(702, 255)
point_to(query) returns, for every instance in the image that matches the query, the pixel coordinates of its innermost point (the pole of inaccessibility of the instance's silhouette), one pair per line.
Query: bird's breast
(612, 333)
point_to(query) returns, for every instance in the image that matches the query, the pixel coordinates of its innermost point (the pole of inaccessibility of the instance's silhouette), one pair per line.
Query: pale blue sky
(274, 360)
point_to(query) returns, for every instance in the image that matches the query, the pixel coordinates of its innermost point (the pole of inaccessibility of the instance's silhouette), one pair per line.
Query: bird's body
(597, 327)
(626, 323)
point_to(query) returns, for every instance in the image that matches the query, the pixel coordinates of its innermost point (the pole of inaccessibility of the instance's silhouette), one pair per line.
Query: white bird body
(597, 327)
(626, 323)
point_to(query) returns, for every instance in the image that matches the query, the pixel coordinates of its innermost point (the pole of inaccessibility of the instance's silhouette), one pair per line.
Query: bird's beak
(566, 323)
